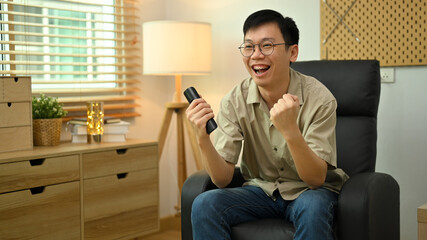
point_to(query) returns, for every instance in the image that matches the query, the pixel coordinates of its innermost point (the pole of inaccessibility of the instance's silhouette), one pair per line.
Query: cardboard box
(422, 222)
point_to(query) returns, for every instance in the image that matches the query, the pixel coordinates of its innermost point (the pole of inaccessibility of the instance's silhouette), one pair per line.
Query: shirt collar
(253, 93)
(295, 88)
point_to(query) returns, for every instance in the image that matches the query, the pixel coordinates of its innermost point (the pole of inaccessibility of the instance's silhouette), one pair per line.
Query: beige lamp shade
(177, 48)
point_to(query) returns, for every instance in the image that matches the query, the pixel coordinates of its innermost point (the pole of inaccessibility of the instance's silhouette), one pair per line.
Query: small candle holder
(95, 122)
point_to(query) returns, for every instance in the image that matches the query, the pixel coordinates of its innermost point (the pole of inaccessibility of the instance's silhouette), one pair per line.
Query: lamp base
(178, 92)
(176, 97)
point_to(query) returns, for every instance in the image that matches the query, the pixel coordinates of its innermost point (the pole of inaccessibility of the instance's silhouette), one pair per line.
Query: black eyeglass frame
(260, 49)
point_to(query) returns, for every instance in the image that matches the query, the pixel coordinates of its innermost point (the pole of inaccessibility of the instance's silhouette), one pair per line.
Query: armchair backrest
(356, 86)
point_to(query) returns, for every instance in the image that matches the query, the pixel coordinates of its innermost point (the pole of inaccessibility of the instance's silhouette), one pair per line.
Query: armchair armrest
(196, 184)
(370, 200)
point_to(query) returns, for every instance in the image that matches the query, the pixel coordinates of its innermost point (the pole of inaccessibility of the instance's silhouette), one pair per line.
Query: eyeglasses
(266, 48)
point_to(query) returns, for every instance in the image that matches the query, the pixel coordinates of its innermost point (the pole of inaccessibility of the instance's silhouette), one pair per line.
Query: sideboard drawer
(38, 172)
(52, 212)
(121, 205)
(15, 114)
(15, 89)
(119, 161)
(119, 193)
(139, 222)
(16, 138)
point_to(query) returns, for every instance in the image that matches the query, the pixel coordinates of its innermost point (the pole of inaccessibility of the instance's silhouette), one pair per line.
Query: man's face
(268, 70)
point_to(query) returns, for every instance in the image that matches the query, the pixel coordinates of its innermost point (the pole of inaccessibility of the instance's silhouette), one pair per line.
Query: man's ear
(294, 52)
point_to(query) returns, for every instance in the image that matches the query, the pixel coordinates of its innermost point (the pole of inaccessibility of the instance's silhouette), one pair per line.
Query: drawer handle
(37, 190)
(121, 175)
(16, 79)
(9, 104)
(121, 151)
(37, 162)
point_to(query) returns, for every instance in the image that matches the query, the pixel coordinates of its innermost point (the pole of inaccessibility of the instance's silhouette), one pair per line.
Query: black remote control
(191, 94)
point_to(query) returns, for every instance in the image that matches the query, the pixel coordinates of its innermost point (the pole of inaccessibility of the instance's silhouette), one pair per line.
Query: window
(76, 50)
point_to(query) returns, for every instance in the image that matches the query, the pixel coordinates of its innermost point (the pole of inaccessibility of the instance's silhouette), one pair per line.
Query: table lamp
(177, 48)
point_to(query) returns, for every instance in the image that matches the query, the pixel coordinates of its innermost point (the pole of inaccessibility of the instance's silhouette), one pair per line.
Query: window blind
(76, 50)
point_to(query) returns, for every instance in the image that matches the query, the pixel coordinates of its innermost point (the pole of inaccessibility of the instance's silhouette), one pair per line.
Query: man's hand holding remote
(199, 112)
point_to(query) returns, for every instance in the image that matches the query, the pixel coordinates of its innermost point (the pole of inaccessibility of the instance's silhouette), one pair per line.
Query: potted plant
(47, 120)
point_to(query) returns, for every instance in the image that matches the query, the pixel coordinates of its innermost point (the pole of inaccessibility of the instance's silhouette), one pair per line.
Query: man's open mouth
(260, 69)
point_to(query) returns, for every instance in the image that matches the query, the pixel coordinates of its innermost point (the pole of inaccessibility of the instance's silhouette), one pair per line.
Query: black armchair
(368, 205)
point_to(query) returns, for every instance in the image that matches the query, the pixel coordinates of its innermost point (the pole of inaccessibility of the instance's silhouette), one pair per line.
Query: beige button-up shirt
(244, 121)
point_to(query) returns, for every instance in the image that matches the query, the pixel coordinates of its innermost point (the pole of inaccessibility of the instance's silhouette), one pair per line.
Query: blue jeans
(215, 211)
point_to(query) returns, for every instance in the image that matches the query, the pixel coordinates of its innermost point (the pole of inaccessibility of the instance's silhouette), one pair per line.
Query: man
(286, 124)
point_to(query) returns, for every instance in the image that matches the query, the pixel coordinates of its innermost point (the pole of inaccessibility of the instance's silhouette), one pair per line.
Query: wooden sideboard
(80, 191)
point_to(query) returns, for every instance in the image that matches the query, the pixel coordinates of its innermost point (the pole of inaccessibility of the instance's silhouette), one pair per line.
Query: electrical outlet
(387, 75)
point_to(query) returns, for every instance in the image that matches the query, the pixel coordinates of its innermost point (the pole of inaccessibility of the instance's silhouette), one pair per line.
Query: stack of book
(114, 131)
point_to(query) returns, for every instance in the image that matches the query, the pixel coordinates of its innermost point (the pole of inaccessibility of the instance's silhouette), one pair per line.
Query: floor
(167, 235)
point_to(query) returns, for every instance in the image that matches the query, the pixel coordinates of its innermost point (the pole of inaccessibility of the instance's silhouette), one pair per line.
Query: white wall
(401, 128)
(402, 144)
(154, 90)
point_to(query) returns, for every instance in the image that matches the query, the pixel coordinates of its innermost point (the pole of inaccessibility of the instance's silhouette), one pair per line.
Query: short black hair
(287, 26)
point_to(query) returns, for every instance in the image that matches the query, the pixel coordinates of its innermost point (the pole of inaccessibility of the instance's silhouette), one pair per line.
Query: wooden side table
(422, 222)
